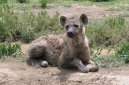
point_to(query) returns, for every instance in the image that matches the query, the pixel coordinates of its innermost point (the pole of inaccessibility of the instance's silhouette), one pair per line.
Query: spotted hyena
(65, 50)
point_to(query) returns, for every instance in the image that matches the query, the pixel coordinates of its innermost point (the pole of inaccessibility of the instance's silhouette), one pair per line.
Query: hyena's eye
(67, 26)
(76, 26)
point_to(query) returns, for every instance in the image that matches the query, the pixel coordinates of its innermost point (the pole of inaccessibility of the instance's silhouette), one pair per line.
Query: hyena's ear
(63, 20)
(84, 19)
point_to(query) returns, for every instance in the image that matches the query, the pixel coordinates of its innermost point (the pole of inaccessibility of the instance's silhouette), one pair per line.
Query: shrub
(46, 24)
(78, 0)
(9, 24)
(23, 1)
(43, 3)
(7, 49)
(100, 0)
(110, 60)
(107, 32)
(25, 26)
(53, 23)
(119, 58)
(94, 0)
(4, 15)
(42, 23)
(123, 52)
(27, 35)
(3, 1)
(103, 32)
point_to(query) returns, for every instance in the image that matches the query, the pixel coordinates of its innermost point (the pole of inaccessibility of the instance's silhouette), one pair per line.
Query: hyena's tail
(37, 62)
(36, 54)
(33, 62)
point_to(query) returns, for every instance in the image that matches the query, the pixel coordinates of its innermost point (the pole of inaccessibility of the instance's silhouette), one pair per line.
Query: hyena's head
(73, 25)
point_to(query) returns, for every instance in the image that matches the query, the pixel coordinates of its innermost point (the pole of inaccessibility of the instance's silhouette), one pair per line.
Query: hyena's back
(48, 48)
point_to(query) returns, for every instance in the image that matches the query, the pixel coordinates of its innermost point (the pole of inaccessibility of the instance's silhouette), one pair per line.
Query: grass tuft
(7, 49)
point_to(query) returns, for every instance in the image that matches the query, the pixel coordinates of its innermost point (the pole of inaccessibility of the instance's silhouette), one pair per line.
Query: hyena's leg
(86, 59)
(71, 63)
(78, 63)
(64, 62)
(36, 53)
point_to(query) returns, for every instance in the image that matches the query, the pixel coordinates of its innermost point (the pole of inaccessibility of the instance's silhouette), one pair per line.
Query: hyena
(69, 49)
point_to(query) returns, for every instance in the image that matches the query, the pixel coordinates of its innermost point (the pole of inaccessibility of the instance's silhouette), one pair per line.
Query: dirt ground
(17, 72)
(92, 11)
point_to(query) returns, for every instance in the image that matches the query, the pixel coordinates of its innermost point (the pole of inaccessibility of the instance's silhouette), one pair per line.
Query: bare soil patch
(17, 72)
(92, 11)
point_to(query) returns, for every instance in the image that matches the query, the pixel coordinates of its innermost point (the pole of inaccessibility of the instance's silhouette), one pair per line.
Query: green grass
(23, 6)
(8, 49)
(111, 5)
(105, 32)
(123, 51)
(109, 60)
(125, 15)
(116, 59)
(26, 26)
(108, 32)
(119, 8)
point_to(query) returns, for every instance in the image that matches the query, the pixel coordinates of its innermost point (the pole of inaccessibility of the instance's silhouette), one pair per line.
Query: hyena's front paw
(92, 68)
(83, 69)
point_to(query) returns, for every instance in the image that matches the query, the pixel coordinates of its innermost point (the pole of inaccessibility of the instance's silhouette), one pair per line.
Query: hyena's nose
(70, 34)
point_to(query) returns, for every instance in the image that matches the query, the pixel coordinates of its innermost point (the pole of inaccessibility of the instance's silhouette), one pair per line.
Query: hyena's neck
(83, 31)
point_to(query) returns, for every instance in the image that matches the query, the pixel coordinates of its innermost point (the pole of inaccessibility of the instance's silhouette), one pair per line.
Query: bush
(110, 60)
(3, 1)
(26, 26)
(78, 0)
(23, 1)
(7, 49)
(27, 35)
(100, 0)
(4, 15)
(119, 58)
(107, 32)
(123, 52)
(94, 0)
(46, 24)
(43, 3)
(10, 25)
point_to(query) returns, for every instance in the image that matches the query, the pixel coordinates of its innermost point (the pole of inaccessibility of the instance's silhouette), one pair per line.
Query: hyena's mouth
(70, 34)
